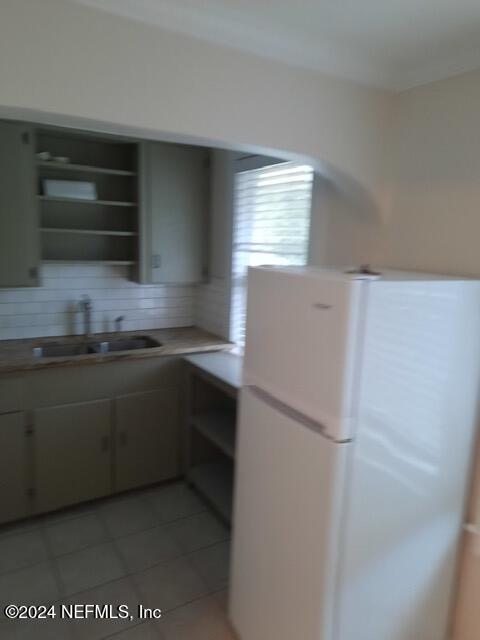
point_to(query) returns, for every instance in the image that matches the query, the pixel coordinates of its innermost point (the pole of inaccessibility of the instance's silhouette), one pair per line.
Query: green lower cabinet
(147, 438)
(14, 465)
(60, 445)
(72, 453)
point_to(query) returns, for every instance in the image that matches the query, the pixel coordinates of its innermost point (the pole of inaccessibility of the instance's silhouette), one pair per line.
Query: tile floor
(160, 548)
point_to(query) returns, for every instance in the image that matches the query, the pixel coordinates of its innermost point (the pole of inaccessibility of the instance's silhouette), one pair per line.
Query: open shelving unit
(218, 426)
(213, 382)
(100, 231)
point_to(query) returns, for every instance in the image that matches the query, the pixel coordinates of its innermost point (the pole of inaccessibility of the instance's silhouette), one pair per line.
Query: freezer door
(288, 498)
(303, 342)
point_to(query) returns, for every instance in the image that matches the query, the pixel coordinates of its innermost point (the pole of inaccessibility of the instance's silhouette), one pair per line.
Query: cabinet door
(176, 204)
(19, 234)
(147, 435)
(14, 501)
(72, 454)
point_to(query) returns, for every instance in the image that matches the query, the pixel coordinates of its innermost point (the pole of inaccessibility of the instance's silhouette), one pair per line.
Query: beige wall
(65, 60)
(435, 218)
(61, 58)
(64, 63)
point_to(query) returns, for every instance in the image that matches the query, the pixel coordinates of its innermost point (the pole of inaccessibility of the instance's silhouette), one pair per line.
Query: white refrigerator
(356, 426)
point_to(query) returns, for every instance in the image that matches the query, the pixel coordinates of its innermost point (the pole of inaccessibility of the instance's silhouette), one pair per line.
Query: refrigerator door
(418, 417)
(304, 334)
(288, 497)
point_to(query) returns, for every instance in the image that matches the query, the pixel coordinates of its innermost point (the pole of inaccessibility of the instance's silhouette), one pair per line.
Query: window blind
(272, 209)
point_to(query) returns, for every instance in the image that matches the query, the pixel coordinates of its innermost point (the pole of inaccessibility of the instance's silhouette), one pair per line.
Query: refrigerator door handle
(322, 306)
(299, 417)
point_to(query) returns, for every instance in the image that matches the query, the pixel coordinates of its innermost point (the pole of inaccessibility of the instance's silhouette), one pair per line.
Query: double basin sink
(65, 350)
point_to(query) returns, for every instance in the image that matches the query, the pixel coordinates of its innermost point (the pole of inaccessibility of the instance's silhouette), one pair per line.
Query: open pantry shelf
(214, 480)
(218, 426)
(213, 382)
(100, 231)
(63, 245)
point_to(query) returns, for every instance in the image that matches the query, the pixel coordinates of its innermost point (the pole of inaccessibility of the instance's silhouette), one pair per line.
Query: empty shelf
(92, 232)
(218, 426)
(214, 480)
(112, 263)
(105, 203)
(83, 168)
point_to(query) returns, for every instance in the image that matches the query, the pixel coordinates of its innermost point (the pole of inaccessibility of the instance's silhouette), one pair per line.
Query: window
(272, 207)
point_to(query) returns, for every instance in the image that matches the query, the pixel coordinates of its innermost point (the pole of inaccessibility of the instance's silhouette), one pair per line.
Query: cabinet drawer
(11, 394)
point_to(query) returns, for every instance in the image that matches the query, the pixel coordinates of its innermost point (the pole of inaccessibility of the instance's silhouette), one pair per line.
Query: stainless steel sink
(127, 344)
(59, 350)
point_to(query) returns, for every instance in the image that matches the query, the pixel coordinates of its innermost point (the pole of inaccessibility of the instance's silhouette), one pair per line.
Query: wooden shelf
(83, 168)
(76, 231)
(113, 263)
(214, 480)
(91, 232)
(212, 390)
(218, 426)
(105, 203)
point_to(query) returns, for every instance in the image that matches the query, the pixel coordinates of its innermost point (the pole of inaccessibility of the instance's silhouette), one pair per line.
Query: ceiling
(394, 44)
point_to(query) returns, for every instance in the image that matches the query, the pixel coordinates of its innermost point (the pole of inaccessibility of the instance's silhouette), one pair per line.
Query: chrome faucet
(85, 306)
(118, 323)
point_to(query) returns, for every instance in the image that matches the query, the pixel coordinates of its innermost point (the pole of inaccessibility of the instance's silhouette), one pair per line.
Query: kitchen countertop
(224, 366)
(17, 355)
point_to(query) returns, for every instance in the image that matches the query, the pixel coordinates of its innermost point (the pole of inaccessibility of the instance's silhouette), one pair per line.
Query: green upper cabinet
(174, 223)
(19, 242)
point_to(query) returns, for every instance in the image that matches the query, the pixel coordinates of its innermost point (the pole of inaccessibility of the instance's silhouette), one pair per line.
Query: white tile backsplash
(213, 307)
(52, 310)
